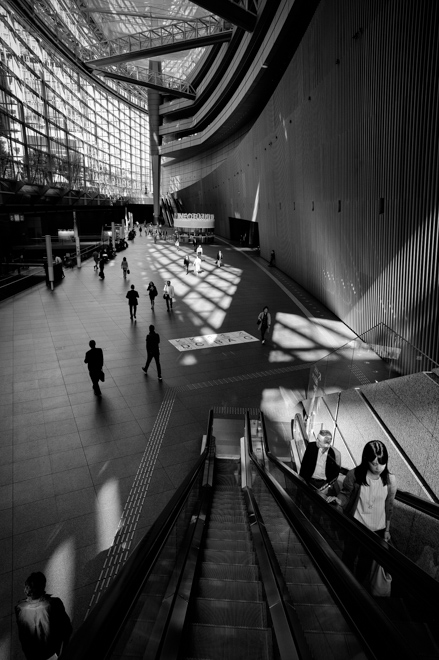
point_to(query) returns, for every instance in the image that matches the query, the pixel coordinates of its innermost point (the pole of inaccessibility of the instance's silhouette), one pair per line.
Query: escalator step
(312, 594)
(229, 557)
(229, 510)
(301, 576)
(229, 589)
(292, 559)
(229, 545)
(237, 613)
(227, 642)
(235, 572)
(338, 646)
(233, 524)
(217, 517)
(322, 618)
(229, 534)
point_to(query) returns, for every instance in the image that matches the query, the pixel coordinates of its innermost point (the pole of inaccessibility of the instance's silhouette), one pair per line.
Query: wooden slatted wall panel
(355, 119)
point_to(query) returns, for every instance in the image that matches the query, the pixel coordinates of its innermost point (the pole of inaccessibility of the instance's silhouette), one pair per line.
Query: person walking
(44, 627)
(177, 245)
(94, 359)
(153, 351)
(101, 268)
(186, 262)
(168, 294)
(219, 259)
(124, 266)
(152, 290)
(132, 296)
(264, 323)
(199, 251)
(96, 259)
(272, 258)
(197, 265)
(367, 495)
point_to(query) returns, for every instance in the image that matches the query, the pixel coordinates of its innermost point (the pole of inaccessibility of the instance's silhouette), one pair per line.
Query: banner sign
(211, 341)
(194, 220)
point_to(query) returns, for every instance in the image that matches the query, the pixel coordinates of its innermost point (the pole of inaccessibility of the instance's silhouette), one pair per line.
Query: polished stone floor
(80, 475)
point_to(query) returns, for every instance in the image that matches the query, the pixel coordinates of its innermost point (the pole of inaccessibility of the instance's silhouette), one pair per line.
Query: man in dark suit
(320, 463)
(153, 351)
(94, 358)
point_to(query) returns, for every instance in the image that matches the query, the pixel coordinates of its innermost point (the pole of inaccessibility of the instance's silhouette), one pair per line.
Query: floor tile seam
(119, 549)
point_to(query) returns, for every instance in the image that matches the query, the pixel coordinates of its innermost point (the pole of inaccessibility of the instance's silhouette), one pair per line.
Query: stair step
(217, 525)
(292, 559)
(228, 642)
(229, 589)
(340, 646)
(240, 613)
(227, 534)
(322, 618)
(216, 517)
(229, 557)
(233, 545)
(311, 594)
(236, 572)
(295, 576)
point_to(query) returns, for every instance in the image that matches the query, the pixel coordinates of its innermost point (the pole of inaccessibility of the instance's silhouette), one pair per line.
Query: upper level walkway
(82, 478)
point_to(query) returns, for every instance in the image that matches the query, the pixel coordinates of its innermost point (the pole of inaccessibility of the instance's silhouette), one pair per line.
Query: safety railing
(112, 622)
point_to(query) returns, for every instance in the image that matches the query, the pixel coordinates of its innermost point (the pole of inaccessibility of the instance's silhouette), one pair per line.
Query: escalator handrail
(100, 631)
(396, 563)
(358, 607)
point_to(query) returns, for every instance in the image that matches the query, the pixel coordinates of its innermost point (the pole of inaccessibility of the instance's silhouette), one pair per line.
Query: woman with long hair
(152, 290)
(367, 495)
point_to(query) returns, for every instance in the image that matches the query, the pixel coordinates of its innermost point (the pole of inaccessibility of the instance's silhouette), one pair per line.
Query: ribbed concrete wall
(341, 168)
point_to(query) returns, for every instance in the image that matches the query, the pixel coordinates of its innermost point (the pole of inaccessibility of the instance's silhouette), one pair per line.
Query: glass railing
(125, 619)
(376, 355)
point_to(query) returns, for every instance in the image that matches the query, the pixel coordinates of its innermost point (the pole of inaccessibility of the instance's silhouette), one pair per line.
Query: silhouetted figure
(44, 627)
(153, 351)
(94, 358)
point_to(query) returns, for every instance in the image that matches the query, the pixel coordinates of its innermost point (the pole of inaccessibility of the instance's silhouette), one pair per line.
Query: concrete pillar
(78, 245)
(49, 260)
(154, 141)
(113, 233)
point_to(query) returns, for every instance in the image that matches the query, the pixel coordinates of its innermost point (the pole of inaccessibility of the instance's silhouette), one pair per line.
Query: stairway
(228, 615)
(326, 631)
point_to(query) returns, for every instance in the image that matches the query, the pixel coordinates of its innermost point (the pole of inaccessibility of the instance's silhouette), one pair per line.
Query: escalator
(233, 568)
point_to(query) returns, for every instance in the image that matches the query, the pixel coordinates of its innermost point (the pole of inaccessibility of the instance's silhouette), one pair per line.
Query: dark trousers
(354, 552)
(94, 375)
(133, 309)
(156, 357)
(264, 328)
(168, 302)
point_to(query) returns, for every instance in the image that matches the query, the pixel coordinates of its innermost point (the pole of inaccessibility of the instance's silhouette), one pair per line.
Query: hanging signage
(194, 220)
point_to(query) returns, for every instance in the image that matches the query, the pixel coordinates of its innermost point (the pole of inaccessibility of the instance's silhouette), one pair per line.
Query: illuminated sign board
(194, 220)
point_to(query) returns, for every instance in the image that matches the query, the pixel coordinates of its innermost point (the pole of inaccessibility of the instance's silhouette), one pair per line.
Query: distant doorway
(244, 232)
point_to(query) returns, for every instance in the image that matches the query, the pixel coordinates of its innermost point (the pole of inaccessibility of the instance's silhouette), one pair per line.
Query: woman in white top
(168, 294)
(197, 265)
(368, 494)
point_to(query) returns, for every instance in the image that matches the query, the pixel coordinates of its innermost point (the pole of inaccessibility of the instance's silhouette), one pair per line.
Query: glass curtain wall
(58, 128)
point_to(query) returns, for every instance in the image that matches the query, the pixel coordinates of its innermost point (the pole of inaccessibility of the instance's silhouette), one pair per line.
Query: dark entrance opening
(244, 232)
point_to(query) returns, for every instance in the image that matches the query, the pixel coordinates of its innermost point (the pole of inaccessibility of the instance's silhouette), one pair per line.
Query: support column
(113, 234)
(154, 141)
(78, 245)
(49, 260)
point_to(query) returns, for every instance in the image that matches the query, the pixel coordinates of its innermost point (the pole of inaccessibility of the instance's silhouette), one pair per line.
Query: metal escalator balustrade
(414, 606)
(124, 620)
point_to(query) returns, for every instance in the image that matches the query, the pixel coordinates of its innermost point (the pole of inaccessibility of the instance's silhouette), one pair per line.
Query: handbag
(165, 295)
(380, 582)
(128, 272)
(102, 376)
(258, 322)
